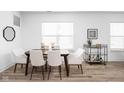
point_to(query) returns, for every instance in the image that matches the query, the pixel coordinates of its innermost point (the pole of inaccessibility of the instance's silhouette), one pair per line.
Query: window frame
(115, 49)
(58, 35)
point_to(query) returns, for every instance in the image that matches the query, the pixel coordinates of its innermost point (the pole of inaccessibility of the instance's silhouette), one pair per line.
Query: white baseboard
(6, 67)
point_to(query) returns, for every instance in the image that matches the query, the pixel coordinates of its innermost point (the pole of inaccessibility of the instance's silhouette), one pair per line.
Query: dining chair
(37, 60)
(76, 58)
(54, 59)
(44, 48)
(19, 57)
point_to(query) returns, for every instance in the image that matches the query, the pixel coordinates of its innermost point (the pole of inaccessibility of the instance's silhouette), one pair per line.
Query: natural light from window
(117, 36)
(59, 33)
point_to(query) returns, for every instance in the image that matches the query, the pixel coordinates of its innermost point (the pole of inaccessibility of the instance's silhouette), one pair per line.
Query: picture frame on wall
(92, 33)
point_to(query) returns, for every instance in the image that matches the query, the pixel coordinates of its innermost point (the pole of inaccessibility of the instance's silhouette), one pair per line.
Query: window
(59, 33)
(117, 36)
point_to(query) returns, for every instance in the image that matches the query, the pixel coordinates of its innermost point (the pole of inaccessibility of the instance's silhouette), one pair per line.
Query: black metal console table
(96, 53)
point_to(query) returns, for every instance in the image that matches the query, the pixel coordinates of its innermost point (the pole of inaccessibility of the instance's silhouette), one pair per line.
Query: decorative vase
(52, 45)
(89, 42)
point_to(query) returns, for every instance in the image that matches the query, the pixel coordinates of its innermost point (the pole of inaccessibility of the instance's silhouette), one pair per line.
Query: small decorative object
(52, 45)
(42, 45)
(97, 57)
(100, 59)
(92, 33)
(89, 59)
(98, 45)
(9, 33)
(89, 41)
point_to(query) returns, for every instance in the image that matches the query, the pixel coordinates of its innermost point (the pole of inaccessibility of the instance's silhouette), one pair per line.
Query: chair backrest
(54, 58)
(36, 57)
(18, 52)
(79, 52)
(44, 49)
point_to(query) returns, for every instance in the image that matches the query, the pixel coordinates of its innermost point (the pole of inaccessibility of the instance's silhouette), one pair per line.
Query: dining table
(64, 53)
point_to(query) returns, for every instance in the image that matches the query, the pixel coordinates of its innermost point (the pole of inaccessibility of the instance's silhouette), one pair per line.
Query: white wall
(31, 27)
(6, 19)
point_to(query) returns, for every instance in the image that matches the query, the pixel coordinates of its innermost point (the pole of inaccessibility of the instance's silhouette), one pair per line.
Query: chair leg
(15, 68)
(49, 72)
(78, 66)
(60, 72)
(32, 72)
(42, 68)
(21, 65)
(81, 69)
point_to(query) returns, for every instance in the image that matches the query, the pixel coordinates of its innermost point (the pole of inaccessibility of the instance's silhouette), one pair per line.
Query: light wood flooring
(112, 72)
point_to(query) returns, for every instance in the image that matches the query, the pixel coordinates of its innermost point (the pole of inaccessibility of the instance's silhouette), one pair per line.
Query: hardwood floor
(112, 72)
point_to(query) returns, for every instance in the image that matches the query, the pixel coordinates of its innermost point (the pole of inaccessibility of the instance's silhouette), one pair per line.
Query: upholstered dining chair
(54, 60)
(37, 60)
(19, 57)
(76, 58)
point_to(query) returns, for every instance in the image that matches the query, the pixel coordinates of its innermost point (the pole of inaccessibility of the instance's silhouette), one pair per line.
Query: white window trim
(115, 49)
(59, 36)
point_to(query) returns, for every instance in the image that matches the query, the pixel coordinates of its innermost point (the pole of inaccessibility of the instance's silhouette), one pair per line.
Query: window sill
(117, 50)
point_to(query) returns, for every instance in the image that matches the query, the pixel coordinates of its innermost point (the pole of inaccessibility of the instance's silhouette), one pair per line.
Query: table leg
(26, 69)
(66, 66)
(46, 66)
